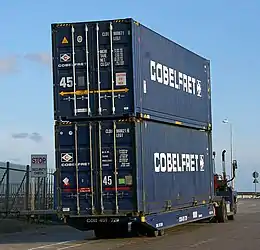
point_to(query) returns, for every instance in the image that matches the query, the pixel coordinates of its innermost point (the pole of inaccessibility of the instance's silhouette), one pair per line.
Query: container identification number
(102, 220)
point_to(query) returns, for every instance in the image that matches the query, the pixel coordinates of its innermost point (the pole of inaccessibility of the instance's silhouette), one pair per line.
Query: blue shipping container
(156, 167)
(122, 68)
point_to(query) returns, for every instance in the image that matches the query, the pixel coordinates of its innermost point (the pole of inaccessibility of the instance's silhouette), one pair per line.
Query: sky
(226, 32)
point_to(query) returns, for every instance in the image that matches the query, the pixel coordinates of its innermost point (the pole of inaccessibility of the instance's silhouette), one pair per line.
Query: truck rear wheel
(156, 233)
(221, 212)
(105, 232)
(153, 233)
(231, 217)
(161, 232)
(109, 231)
(100, 233)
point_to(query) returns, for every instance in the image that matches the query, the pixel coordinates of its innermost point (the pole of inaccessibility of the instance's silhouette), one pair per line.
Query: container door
(96, 167)
(72, 71)
(74, 147)
(113, 67)
(116, 172)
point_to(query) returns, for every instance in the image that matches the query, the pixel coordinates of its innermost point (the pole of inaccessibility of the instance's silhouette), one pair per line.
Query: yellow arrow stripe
(85, 92)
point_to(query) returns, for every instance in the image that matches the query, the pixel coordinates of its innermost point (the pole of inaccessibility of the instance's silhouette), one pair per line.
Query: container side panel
(175, 81)
(176, 166)
(103, 180)
(88, 81)
(209, 93)
(211, 164)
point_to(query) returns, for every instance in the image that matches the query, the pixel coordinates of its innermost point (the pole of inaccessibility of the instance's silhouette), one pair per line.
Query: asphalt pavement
(241, 234)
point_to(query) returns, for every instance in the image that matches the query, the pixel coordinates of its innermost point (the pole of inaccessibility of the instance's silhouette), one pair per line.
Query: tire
(104, 233)
(108, 232)
(221, 212)
(235, 208)
(161, 232)
(231, 217)
(100, 233)
(154, 233)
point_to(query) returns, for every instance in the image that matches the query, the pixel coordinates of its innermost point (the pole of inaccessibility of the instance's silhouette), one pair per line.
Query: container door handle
(115, 168)
(77, 167)
(100, 167)
(87, 66)
(98, 70)
(74, 70)
(91, 169)
(112, 67)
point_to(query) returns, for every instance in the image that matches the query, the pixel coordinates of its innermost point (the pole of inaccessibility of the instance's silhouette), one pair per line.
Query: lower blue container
(125, 166)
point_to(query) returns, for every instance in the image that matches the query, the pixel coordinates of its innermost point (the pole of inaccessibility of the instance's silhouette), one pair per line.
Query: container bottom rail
(152, 225)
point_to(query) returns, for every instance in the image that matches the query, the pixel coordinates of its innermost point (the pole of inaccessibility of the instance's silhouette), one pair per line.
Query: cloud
(36, 137)
(43, 58)
(8, 65)
(23, 148)
(20, 135)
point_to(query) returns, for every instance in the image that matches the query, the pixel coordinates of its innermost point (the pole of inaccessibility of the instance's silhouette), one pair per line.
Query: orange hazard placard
(64, 40)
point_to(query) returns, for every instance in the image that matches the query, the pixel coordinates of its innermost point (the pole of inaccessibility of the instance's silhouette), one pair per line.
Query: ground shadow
(20, 232)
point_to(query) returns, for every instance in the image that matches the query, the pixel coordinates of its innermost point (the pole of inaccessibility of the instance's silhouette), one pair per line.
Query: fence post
(33, 194)
(27, 188)
(38, 197)
(44, 194)
(7, 188)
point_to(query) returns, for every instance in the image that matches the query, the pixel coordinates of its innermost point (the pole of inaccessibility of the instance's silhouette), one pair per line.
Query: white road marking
(202, 242)
(76, 245)
(51, 245)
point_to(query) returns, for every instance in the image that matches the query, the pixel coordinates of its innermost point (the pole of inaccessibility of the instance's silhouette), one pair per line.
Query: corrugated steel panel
(158, 166)
(171, 82)
(174, 166)
(145, 74)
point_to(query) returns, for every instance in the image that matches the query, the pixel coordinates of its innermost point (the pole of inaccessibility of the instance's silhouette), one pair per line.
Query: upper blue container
(118, 68)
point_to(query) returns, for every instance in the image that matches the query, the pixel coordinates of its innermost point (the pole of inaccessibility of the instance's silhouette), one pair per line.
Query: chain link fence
(19, 193)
